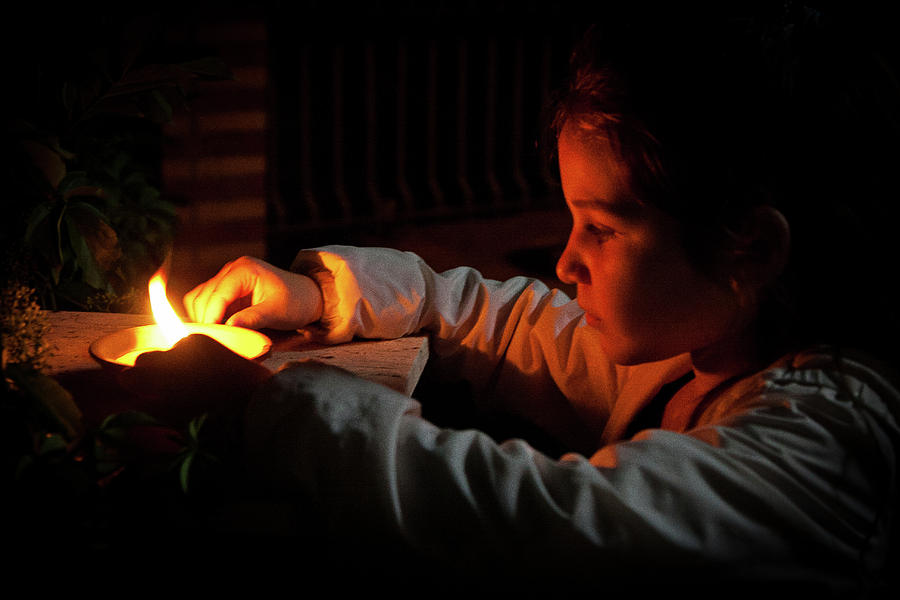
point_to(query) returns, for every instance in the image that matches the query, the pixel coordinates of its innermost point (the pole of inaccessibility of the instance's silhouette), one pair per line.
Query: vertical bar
(518, 118)
(402, 127)
(431, 99)
(372, 134)
(490, 122)
(306, 170)
(546, 68)
(462, 125)
(337, 91)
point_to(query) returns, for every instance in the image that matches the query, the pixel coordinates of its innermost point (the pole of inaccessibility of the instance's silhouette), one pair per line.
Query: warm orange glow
(123, 347)
(346, 290)
(172, 327)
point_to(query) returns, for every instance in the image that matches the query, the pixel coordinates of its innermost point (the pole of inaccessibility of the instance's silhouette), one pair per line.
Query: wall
(416, 128)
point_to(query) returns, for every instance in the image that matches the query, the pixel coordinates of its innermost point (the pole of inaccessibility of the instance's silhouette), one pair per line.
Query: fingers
(264, 314)
(237, 284)
(279, 299)
(251, 318)
(208, 302)
(195, 300)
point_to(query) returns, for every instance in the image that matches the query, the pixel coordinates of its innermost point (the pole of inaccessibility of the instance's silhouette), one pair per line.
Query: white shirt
(788, 475)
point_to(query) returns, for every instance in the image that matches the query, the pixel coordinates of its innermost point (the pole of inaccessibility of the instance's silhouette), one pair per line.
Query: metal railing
(438, 119)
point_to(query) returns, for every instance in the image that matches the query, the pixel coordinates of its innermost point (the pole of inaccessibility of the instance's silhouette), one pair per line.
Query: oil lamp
(124, 346)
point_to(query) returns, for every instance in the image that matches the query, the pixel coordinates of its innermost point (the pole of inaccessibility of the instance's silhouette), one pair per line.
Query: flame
(173, 329)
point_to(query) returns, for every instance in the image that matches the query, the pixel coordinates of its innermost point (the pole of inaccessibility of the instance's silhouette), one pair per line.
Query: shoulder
(839, 376)
(842, 395)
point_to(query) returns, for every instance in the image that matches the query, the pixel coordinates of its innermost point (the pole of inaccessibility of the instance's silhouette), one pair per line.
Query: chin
(627, 356)
(623, 356)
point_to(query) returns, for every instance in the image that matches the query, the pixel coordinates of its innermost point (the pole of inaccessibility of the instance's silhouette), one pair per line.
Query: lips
(589, 318)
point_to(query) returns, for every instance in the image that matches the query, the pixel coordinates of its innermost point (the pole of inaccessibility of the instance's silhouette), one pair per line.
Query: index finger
(207, 302)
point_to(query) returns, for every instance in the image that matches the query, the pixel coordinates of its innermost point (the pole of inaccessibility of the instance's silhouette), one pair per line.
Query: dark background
(417, 125)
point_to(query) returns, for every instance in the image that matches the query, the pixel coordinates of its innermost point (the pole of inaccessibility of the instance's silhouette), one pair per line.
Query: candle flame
(173, 329)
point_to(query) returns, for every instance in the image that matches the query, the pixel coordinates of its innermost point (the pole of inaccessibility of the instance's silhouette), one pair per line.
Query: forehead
(590, 169)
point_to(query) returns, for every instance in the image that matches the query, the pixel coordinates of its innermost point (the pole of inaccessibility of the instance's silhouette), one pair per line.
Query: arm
(753, 494)
(520, 346)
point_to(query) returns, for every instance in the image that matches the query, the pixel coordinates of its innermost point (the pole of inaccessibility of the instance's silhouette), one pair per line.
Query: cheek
(624, 296)
(666, 304)
(686, 310)
(633, 285)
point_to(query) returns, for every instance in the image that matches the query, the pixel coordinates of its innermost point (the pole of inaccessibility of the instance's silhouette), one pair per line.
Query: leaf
(41, 235)
(36, 218)
(47, 160)
(129, 418)
(209, 68)
(142, 92)
(49, 398)
(85, 191)
(52, 442)
(84, 258)
(115, 426)
(195, 425)
(185, 470)
(100, 238)
(155, 76)
(155, 107)
(74, 180)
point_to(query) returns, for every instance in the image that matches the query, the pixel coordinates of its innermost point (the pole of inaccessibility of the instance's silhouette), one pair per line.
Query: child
(708, 436)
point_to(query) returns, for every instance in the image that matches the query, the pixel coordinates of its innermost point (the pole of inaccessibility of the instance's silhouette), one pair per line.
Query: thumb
(251, 318)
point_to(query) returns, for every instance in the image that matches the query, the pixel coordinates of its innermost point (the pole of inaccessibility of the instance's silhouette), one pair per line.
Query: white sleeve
(749, 496)
(517, 343)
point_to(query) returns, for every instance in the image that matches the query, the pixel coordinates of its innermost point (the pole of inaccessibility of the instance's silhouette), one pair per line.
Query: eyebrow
(624, 210)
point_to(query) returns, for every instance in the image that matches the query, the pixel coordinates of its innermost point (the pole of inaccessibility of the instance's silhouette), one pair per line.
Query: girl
(708, 434)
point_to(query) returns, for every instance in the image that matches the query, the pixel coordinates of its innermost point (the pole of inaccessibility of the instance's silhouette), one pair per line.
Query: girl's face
(634, 280)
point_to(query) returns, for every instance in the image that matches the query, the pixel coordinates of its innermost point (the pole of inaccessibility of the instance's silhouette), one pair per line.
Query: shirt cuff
(340, 295)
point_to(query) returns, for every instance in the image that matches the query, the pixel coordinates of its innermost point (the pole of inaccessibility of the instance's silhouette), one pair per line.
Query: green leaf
(155, 76)
(36, 218)
(84, 258)
(185, 470)
(129, 418)
(115, 426)
(154, 106)
(52, 442)
(49, 398)
(84, 191)
(46, 159)
(75, 179)
(195, 425)
(208, 68)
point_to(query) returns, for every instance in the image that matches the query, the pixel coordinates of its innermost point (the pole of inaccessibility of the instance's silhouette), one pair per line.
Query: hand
(198, 375)
(278, 299)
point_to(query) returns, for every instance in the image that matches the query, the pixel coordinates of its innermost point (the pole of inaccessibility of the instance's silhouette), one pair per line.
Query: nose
(569, 268)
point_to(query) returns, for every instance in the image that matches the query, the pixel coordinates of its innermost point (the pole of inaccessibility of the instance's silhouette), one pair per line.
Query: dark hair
(717, 114)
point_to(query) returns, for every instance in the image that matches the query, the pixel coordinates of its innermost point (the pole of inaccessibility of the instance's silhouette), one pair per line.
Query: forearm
(366, 458)
(475, 324)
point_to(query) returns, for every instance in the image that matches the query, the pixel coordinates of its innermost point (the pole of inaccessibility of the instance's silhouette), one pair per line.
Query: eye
(600, 232)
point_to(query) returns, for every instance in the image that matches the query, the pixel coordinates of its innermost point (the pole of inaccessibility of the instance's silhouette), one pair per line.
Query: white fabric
(788, 474)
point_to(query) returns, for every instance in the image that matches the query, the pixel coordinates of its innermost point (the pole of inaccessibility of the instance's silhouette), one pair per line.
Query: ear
(761, 247)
